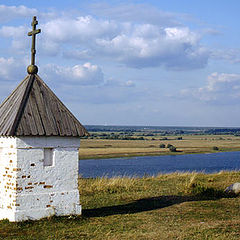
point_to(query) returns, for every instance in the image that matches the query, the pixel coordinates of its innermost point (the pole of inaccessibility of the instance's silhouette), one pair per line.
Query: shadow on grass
(141, 205)
(199, 193)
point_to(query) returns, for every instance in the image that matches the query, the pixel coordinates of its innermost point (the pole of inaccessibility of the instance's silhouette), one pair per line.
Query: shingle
(32, 109)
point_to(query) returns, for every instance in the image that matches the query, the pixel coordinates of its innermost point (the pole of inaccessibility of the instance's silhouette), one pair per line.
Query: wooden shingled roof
(33, 109)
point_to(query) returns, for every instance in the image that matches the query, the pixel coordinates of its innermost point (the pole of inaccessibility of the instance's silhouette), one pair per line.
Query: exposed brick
(16, 169)
(29, 187)
(47, 186)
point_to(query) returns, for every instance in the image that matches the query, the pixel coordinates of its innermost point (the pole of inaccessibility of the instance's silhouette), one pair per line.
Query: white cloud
(86, 74)
(221, 88)
(11, 69)
(136, 45)
(8, 13)
(18, 35)
(149, 46)
(80, 29)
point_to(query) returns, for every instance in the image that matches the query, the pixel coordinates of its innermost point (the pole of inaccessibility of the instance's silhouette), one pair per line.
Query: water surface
(152, 165)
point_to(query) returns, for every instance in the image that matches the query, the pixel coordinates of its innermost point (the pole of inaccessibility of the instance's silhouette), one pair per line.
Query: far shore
(128, 155)
(105, 148)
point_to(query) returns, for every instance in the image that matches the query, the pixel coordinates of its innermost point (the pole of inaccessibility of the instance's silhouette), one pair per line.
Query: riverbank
(169, 206)
(189, 144)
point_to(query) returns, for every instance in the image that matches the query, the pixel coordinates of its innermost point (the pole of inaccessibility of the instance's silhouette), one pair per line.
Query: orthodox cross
(33, 33)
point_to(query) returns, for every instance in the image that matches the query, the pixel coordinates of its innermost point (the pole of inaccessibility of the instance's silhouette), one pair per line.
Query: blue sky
(165, 63)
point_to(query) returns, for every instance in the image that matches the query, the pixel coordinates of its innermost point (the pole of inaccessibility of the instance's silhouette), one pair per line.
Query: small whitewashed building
(39, 142)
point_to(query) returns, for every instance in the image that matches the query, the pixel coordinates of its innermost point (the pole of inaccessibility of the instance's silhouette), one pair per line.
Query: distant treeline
(152, 130)
(228, 131)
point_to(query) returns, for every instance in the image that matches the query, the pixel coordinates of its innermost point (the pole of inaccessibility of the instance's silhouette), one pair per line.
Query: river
(152, 165)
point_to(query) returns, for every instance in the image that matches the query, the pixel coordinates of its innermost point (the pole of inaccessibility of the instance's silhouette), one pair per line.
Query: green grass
(169, 206)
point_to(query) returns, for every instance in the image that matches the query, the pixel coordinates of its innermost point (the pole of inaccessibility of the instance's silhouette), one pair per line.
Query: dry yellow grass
(98, 148)
(143, 208)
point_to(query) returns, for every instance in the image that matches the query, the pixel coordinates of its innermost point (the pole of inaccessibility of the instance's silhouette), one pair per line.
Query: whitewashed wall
(8, 178)
(38, 190)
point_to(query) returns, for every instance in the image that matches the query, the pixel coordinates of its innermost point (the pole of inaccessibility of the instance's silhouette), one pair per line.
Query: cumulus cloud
(150, 46)
(135, 45)
(221, 88)
(129, 42)
(80, 29)
(86, 74)
(8, 13)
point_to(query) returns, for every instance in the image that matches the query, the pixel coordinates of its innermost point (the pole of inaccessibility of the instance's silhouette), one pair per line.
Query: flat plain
(107, 148)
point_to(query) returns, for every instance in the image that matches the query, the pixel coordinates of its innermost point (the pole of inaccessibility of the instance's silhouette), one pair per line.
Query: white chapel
(39, 141)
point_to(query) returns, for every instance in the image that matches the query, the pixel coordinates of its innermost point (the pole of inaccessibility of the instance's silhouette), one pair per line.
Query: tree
(172, 148)
(215, 148)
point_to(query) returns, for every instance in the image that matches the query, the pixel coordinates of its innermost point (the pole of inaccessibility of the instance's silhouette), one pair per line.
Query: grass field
(105, 148)
(175, 206)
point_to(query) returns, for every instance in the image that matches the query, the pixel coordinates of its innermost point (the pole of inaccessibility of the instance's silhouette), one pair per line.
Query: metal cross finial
(32, 69)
